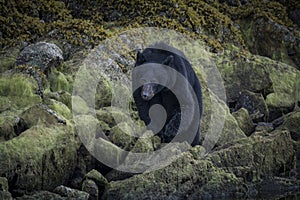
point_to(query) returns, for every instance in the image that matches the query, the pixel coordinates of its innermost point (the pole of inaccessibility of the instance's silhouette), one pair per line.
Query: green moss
(17, 92)
(121, 135)
(279, 100)
(58, 82)
(51, 158)
(3, 184)
(17, 85)
(7, 131)
(6, 63)
(96, 176)
(111, 115)
(60, 108)
(79, 106)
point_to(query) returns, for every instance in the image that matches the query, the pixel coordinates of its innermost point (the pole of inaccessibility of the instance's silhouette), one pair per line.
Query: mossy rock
(41, 195)
(279, 104)
(111, 115)
(8, 58)
(17, 85)
(59, 82)
(69, 193)
(3, 184)
(99, 179)
(291, 123)
(243, 72)
(60, 108)
(224, 172)
(161, 183)
(7, 131)
(103, 96)
(276, 41)
(217, 114)
(62, 96)
(255, 105)
(121, 135)
(79, 106)
(90, 187)
(5, 195)
(243, 119)
(17, 91)
(38, 114)
(145, 143)
(40, 153)
(284, 80)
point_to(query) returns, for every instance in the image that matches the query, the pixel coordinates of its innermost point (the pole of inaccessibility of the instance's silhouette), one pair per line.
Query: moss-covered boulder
(266, 37)
(111, 115)
(121, 135)
(255, 105)
(103, 96)
(79, 106)
(58, 82)
(43, 55)
(4, 193)
(18, 91)
(8, 58)
(7, 128)
(89, 186)
(224, 173)
(217, 126)
(62, 96)
(243, 72)
(60, 108)
(275, 81)
(291, 122)
(42, 195)
(42, 157)
(99, 179)
(282, 100)
(38, 114)
(243, 119)
(70, 193)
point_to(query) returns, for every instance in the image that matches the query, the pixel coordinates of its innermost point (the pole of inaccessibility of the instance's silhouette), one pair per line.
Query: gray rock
(90, 187)
(43, 55)
(71, 193)
(264, 127)
(43, 195)
(295, 16)
(255, 104)
(99, 179)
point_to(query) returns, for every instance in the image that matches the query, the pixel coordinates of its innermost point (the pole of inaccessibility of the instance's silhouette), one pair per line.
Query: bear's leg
(171, 128)
(196, 139)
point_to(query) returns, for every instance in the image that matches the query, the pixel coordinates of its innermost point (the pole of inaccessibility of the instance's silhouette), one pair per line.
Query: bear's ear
(169, 61)
(140, 57)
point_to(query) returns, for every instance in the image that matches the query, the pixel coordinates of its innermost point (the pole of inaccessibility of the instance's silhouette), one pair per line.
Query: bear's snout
(147, 92)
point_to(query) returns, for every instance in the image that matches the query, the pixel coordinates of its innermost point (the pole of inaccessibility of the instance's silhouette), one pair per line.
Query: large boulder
(275, 81)
(272, 39)
(41, 158)
(43, 55)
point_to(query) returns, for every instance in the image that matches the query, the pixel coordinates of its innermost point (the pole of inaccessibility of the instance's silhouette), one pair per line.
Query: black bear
(156, 81)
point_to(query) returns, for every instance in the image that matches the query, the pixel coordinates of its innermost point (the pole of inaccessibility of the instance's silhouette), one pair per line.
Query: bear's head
(154, 76)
